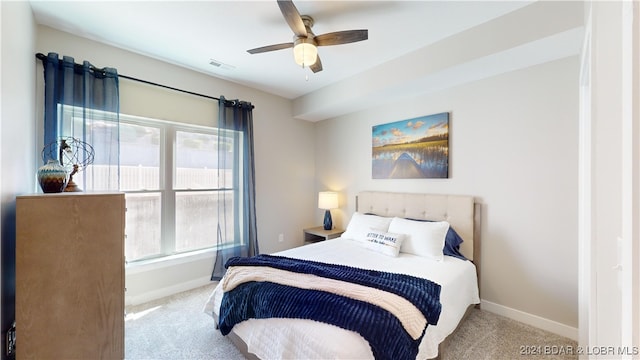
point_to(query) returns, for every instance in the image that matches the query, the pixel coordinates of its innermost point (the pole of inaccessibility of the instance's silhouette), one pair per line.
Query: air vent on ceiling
(220, 64)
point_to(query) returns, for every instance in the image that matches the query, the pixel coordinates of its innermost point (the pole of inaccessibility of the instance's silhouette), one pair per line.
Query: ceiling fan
(305, 42)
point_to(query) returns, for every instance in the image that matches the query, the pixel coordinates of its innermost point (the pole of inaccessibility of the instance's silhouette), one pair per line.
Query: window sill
(167, 261)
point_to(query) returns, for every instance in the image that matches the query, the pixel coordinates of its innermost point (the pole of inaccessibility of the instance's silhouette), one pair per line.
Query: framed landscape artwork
(416, 148)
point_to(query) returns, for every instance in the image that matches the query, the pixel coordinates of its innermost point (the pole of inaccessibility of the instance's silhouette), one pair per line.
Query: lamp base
(72, 187)
(328, 223)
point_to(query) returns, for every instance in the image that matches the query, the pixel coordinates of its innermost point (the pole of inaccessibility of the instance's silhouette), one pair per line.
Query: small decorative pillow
(422, 238)
(384, 242)
(360, 224)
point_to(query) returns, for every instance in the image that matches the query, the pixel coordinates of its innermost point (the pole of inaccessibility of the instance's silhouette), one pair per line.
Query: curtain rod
(169, 87)
(44, 60)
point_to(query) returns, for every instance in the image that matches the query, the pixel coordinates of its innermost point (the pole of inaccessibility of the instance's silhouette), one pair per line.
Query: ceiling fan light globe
(305, 54)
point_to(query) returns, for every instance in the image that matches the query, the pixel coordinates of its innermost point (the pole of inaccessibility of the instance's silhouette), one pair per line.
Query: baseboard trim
(166, 291)
(530, 319)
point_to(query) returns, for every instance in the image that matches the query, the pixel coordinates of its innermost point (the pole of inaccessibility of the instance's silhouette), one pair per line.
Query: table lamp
(328, 200)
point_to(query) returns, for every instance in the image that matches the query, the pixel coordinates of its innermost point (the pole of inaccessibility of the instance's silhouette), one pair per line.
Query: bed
(294, 338)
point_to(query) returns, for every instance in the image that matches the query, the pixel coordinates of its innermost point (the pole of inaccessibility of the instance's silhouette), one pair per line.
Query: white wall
(284, 151)
(513, 145)
(17, 146)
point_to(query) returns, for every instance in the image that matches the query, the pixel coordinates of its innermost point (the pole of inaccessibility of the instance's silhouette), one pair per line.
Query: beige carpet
(487, 336)
(176, 328)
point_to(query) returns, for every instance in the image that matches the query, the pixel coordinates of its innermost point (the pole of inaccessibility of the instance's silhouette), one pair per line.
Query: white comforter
(306, 339)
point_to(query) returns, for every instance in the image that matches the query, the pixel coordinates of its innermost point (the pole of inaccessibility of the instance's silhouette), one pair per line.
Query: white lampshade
(305, 54)
(327, 200)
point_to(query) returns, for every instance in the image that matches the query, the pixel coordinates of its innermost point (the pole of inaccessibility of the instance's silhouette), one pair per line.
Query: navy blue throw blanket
(266, 299)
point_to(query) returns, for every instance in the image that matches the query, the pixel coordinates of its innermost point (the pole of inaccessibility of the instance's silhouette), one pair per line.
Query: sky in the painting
(404, 131)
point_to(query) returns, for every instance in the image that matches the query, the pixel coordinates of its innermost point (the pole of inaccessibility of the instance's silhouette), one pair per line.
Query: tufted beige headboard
(459, 210)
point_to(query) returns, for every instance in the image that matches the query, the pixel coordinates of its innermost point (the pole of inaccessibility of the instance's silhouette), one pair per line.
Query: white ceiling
(191, 33)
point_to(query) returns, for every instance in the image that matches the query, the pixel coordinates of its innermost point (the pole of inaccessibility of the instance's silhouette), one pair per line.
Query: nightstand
(318, 233)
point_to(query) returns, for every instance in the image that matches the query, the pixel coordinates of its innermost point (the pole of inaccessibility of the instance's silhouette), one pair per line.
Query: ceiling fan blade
(317, 66)
(292, 16)
(270, 48)
(341, 37)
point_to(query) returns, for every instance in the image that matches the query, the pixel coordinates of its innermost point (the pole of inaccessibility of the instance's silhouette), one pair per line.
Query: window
(140, 169)
(169, 173)
(169, 170)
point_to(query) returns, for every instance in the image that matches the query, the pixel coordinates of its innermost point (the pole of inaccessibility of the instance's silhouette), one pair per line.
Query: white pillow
(384, 242)
(360, 225)
(423, 238)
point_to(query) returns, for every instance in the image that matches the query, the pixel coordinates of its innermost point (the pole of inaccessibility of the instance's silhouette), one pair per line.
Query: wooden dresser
(70, 276)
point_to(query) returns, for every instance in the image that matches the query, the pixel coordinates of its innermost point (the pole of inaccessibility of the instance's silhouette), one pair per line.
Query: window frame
(167, 179)
(167, 182)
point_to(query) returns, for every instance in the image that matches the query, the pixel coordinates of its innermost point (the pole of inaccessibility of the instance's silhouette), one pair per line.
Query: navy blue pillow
(452, 244)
